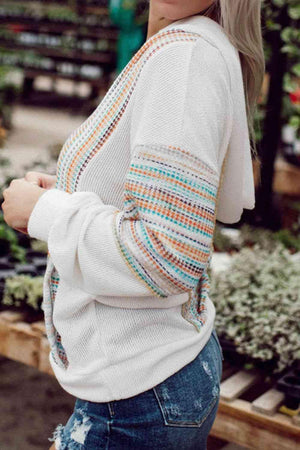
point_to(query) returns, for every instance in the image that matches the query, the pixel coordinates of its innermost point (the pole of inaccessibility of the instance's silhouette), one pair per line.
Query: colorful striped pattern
(166, 228)
(88, 139)
(182, 207)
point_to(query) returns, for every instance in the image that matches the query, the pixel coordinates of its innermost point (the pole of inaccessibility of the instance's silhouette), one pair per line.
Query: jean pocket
(187, 397)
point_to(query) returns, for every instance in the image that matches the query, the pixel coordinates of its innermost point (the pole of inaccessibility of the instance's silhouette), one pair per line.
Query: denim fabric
(175, 414)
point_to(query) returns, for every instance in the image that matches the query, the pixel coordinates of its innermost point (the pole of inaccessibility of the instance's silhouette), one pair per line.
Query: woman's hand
(42, 179)
(19, 200)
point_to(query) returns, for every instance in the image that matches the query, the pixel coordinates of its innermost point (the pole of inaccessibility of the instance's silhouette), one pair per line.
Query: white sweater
(129, 224)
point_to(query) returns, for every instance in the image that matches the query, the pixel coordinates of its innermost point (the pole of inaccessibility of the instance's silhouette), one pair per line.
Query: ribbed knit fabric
(129, 224)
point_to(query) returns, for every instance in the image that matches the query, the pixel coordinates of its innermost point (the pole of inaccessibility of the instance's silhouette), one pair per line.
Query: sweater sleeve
(159, 242)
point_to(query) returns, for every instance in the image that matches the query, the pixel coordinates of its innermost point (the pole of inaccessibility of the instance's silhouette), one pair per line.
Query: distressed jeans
(176, 414)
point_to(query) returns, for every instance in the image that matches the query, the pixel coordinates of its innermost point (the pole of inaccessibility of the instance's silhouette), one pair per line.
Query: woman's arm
(159, 243)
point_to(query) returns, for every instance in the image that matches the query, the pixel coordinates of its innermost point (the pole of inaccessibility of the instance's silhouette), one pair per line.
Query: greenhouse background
(57, 60)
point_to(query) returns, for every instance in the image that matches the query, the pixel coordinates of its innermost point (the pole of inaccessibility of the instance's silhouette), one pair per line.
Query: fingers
(43, 180)
(34, 177)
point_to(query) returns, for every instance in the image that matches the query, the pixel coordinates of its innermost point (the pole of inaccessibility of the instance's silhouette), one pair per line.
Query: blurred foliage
(9, 92)
(39, 246)
(264, 238)
(8, 234)
(257, 304)
(291, 46)
(23, 291)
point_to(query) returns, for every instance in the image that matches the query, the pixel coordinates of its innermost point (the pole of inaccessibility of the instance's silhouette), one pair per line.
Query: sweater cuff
(46, 209)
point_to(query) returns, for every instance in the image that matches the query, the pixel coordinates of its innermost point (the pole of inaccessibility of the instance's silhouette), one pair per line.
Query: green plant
(288, 239)
(9, 235)
(23, 291)
(256, 235)
(39, 246)
(9, 92)
(222, 242)
(290, 35)
(265, 239)
(258, 304)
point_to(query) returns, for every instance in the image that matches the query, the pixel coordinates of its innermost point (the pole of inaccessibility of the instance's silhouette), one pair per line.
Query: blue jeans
(176, 414)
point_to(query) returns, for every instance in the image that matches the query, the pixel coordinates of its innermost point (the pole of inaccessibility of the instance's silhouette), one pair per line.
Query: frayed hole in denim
(57, 436)
(80, 429)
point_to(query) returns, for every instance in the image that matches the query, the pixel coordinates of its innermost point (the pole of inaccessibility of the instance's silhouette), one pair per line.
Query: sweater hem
(100, 386)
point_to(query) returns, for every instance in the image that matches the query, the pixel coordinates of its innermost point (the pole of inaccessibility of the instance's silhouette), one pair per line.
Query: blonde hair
(241, 21)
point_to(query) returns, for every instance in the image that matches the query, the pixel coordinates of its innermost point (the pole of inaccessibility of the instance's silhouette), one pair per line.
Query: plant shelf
(255, 423)
(24, 342)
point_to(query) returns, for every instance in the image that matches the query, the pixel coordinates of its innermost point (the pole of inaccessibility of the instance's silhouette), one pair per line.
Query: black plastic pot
(30, 315)
(40, 265)
(6, 259)
(290, 385)
(230, 353)
(23, 240)
(4, 247)
(2, 286)
(26, 269)
(12, 259)
(6, 270)
(33, 254)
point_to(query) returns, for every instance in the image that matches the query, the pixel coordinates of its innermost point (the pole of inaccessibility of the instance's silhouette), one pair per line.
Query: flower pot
(4, 247)
(29, 314)
(12, 259)
(230, 352)
(26, 269)
(40, 265)
(290, 385)
(31, 255)
(6, 259)
(6, 270)
(267, 366)
(2, 286)
(23, 240)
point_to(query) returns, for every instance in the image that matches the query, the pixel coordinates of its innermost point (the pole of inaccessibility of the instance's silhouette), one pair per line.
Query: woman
(129, 221)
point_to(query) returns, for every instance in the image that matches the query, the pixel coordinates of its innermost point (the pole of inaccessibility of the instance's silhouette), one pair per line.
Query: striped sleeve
(159, 243)
(165, 231)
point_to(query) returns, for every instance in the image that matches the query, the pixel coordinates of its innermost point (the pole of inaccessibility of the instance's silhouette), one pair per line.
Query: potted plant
(257, 304)
(9, 245)
(25, 293)
(289, 383)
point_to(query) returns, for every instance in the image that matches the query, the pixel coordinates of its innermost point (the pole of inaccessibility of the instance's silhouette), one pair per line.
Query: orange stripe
(131, 64)
(171, 181)
(155, 264)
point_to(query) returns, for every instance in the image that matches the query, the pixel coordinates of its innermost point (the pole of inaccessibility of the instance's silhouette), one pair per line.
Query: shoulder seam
(179, 35)
(161, 40)
(209, 41)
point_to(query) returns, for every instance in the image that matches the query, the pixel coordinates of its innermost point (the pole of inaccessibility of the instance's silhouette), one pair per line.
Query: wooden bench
(254, 423)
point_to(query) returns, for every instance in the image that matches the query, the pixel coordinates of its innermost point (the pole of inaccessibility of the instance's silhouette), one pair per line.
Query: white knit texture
(120, 338)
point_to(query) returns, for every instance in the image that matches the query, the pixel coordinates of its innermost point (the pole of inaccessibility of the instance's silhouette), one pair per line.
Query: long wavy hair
(241, 21)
